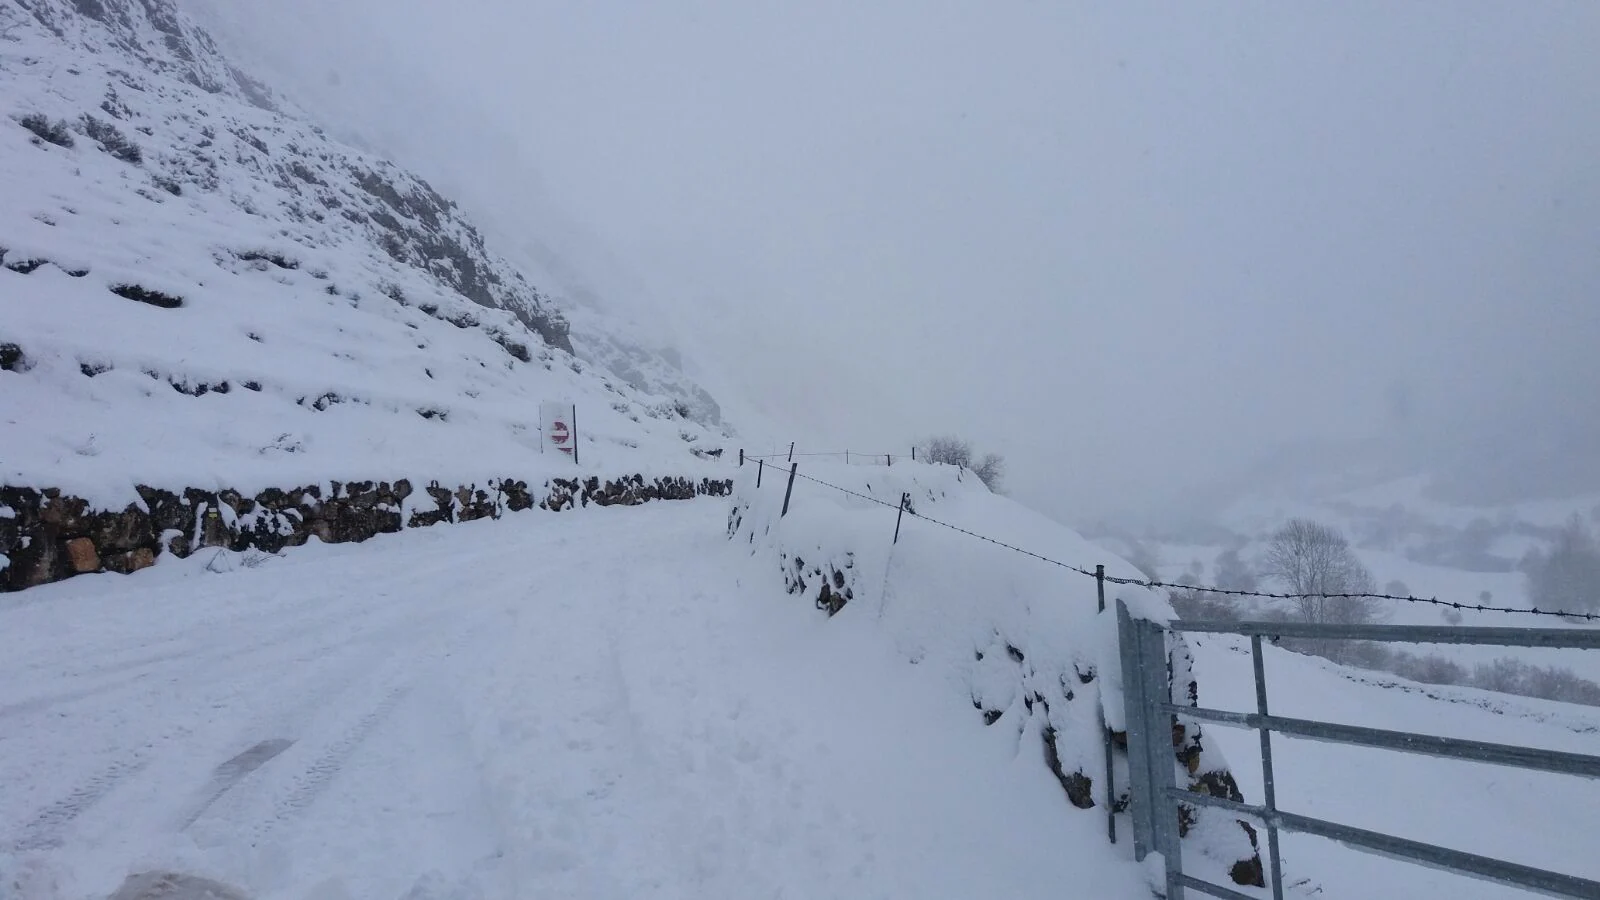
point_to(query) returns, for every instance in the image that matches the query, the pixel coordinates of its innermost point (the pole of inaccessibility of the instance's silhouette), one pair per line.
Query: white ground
(609, 704)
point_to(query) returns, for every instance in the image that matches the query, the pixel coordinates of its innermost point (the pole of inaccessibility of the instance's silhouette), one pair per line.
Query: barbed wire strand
(1178, 586)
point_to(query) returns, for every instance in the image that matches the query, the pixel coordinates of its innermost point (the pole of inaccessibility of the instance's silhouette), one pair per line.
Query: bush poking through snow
(57, 132)
(145, 295)
(957, 451)
(112, 140)
(1506, 675)
(12, 359)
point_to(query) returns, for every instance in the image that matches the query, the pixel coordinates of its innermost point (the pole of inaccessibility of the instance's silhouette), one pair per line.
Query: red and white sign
(559, 421)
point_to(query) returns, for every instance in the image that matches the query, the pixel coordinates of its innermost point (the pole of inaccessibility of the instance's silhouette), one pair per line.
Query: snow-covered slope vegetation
(199, 288)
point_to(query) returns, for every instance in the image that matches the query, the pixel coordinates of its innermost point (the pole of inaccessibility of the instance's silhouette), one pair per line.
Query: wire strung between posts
(1475, 607)
(1169, 586)
(980, 537)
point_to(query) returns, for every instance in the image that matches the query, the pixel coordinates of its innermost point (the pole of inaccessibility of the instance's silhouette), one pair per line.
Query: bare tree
(958, 451)
(1313, 560)
(1566, 578)
(1231, 572)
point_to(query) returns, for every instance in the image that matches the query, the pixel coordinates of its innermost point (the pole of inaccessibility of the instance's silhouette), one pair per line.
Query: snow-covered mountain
(202, 288)
(222, 328)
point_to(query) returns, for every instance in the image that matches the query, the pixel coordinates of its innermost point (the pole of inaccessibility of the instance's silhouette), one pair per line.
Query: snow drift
(1019, 638)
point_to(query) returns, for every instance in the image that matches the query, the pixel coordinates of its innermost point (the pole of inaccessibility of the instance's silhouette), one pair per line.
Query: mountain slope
(199, 288)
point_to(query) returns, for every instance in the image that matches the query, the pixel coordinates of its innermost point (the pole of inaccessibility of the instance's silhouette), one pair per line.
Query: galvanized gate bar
(1215, 890)
(1560, 762)
(1514, 874)
(1567, 638)
(1154, 794)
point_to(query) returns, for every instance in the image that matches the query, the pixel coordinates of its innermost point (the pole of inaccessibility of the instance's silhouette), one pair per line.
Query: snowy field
(506, 710)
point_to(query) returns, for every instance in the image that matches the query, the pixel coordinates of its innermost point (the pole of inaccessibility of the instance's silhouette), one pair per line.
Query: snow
(608, 703)
(1004, 630)
(501, 710)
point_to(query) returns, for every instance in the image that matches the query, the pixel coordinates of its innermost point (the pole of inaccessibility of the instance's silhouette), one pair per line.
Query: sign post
(559, 421)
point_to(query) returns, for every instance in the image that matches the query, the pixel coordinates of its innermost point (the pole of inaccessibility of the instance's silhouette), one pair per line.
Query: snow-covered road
(609, 704)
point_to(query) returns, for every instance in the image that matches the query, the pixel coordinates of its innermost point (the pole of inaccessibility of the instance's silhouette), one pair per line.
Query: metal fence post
(904, 499)
(1133, 710)
(793, 469)
(1268, 788)
(1105, 733)
(1163, 765)
(791, 451)
(741, 456)
(761, 466)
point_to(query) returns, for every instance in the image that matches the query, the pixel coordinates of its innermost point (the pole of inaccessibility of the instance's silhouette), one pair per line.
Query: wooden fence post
(793, 469)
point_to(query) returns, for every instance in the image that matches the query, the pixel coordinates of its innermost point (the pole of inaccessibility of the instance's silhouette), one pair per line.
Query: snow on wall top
(197, 290)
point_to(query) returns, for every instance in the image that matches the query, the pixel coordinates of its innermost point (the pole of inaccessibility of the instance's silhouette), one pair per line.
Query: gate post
(1151, 764)
(1130, 646)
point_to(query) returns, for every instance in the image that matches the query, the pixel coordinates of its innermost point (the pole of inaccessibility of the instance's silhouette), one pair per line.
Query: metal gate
(1155, 796)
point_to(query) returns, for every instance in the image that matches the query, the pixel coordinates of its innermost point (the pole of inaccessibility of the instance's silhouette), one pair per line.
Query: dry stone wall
(46, 535)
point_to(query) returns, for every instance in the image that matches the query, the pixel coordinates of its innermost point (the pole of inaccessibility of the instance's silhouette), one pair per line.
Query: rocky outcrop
(46, 535)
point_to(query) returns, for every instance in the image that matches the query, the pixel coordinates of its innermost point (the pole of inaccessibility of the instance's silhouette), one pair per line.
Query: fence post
(761, 466)
(913, 454)
(1111, 781)
(1133, 705)
(904, 499)
(888, 459)
(791, 451)
(741, 456)
(1105, 732)
(793, 468)
(847, 457)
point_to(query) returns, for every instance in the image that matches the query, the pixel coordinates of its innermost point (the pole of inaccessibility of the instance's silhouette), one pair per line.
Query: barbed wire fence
(1098, 572)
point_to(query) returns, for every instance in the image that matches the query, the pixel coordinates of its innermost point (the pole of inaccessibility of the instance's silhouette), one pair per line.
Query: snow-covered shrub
(112, 140)
(57, 132)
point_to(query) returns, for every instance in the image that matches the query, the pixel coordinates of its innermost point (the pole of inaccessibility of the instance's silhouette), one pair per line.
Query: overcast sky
(1133, 246)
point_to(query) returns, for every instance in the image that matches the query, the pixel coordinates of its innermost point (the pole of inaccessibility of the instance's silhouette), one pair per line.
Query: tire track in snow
(231, 657)
(234, 771)
(291, 783)
(45, 830)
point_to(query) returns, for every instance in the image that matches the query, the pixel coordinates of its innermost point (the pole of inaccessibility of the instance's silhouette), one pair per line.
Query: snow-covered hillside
(200, 289)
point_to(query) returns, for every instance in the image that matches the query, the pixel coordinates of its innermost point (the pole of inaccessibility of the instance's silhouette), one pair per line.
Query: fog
(1141, 249)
